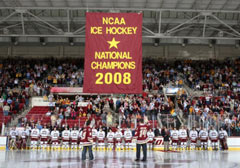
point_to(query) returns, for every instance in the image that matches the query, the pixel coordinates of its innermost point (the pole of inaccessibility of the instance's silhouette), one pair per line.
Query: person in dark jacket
(166, 138)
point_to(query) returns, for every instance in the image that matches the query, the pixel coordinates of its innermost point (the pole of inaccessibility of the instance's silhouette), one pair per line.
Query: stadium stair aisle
(14, 122)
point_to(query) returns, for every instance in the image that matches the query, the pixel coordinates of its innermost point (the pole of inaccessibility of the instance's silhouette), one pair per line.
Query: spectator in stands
(103, 117)
(73, 113)
(1, 102)
(6, 109)
(109, 119)
(67, 112)
(53, 120)
(39, 126)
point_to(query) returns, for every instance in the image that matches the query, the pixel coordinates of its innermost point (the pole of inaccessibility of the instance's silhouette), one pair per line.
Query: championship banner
(113, 53)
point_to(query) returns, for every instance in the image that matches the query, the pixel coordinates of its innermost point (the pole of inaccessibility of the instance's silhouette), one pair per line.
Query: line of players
(180, 138)
(44, 139)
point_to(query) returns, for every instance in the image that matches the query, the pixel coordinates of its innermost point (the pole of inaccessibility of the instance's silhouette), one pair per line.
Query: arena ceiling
(164, 19)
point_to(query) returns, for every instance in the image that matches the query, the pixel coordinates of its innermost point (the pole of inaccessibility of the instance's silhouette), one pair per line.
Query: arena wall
(233, 143)
(3, 142)
(165, 52)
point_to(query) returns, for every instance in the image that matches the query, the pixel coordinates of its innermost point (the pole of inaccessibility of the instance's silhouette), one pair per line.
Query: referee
(141, 136)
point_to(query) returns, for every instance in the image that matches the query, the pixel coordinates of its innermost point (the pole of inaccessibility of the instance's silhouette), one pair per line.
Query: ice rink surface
(120, 159)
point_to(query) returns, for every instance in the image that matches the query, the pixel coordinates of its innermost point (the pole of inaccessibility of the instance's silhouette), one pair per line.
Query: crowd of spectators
(100, 110)
(220, 85)
(219, 81)
(22, 78)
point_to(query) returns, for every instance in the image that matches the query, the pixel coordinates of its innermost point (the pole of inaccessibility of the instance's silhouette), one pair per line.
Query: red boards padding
(113, 53)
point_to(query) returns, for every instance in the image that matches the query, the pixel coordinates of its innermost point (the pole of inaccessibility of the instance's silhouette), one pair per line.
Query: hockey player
(127, 138)
(74, 138)
(193, 135)
(65, 138)
(80, 139)
(174, 137)
(213, 135)
(34, 137)
(94, 136)
(141, 137)
(151, 137)
(203, 135)
(55, 138)
(101, 139)
(87, 141)
(110, 139)
(13, 136)
(118, 139)
(44, 133)
(182, 135)
(24, 136)
(223, 139)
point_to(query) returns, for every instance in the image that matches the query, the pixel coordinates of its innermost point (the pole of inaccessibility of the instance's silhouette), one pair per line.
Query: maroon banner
(113, 53)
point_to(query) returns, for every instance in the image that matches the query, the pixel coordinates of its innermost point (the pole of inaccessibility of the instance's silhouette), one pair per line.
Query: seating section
(38, 113)
(7, 119)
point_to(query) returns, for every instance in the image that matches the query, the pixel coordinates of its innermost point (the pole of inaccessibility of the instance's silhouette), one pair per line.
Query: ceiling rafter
(238, 7)
(129, 3)
(161, 5)
(35, 3)
(113, 4)
(82, 3)
(66, 3)
(225, 4)
(4, 3)
(209, 4)
(146, 3)
(194, 4)
(50, 3)
(214, 33)
(33, 25)
(177, 4)
(17, 3)
(11, 30)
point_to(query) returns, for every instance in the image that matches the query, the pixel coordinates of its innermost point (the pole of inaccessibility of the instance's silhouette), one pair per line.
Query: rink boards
(233, 143)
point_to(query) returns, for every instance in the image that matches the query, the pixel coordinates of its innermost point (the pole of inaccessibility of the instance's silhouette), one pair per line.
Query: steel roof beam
(7, 17)
(209, 4)
(225, 4)
(82, 20)
(121, 9)
(145, 36)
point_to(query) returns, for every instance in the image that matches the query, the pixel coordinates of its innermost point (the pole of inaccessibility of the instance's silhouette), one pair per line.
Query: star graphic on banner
(113, 43)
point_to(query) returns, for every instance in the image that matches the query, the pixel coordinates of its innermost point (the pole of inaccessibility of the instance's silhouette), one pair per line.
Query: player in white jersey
(193, 135)
(13, 136)
(213, 136)
(74, 138)
(182, 135)
(80, 139)
(203, 135)
(101, 138)
(35, 133)
(118, 139)
(44, 133)
(94, 137)
(24, 136)
(128, 138)
(151, 137)
(55, 138)
(223, 139)
(65, 138)
(174, 137)
(110, 139)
